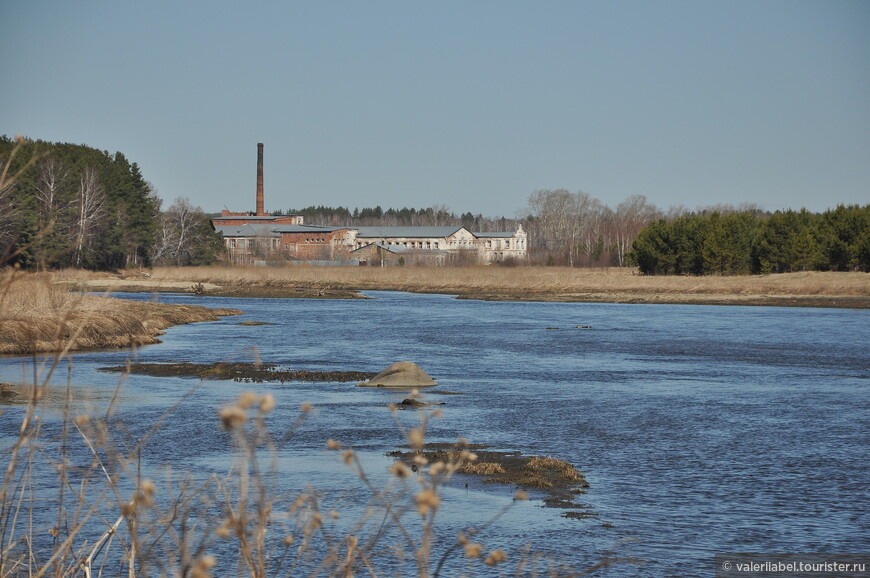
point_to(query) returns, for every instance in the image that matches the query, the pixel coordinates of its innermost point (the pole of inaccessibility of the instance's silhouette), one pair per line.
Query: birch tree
(90, 207)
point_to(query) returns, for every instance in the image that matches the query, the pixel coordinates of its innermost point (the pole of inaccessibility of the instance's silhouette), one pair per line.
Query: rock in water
(402, 374)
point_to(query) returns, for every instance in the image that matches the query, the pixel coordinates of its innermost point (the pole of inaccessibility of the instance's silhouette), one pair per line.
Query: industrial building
(258, 236)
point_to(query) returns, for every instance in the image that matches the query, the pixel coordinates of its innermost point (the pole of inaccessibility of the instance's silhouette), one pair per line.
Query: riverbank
(558, 284)
(38, 315)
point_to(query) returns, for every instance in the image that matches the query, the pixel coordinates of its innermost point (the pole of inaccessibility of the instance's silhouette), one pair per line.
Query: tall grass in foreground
(76, 499)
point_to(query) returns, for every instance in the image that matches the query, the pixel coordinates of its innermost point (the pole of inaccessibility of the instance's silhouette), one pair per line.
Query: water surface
(701, 429)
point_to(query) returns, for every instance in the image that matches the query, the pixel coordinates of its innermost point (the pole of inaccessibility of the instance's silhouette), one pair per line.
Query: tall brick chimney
(261, 209)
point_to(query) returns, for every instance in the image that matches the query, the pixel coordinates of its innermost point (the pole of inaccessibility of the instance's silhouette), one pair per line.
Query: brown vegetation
(39, 315)
(557, 480)
(614, 285)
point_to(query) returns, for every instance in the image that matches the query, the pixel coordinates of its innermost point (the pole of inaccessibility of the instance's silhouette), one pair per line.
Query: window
(507, 244)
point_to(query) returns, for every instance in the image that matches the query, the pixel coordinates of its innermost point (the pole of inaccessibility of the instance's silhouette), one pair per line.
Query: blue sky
(471, 104)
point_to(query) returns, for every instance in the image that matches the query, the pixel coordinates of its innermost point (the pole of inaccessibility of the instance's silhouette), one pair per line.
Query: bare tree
(630, 217)
(182, 217)
(8, 213)
(90, 204)
(52, 177)
(166, 240)
(182, 234)
(592, 236)
(561, 218)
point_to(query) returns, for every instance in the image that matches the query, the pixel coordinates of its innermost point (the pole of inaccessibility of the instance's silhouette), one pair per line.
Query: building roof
(305, 229)
(265, 218)
(245, 230)
(406, 232)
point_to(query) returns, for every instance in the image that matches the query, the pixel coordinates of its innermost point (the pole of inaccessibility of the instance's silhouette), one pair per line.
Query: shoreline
(53, 312)
(535, 284)
(95, 323)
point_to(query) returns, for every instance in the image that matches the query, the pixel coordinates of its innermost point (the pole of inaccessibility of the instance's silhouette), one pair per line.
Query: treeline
(747, 242)
(575, 229)
(68, 205)
(438, 215)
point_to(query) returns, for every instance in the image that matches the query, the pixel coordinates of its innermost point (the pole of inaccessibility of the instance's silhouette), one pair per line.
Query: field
(615, 285)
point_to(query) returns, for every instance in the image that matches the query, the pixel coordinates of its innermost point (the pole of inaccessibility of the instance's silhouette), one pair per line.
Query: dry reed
(39, 315)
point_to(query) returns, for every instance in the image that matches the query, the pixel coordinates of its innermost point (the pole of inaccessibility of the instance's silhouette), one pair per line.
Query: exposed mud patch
(558, 481)
(238, 371)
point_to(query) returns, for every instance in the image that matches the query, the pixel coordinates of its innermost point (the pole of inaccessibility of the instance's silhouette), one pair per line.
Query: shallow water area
(700, 429)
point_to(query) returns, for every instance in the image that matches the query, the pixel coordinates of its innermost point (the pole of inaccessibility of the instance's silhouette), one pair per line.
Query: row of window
(240, 243)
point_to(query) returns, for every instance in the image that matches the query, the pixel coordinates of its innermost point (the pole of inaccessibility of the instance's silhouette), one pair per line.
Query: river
(701, 429)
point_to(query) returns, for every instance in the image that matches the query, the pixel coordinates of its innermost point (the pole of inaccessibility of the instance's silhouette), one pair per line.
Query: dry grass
(483, 469)
(39, 315)
(562, 468)
(519, 283)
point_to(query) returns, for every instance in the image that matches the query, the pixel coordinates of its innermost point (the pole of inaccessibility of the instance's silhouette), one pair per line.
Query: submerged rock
(411, 402)
(402, 374)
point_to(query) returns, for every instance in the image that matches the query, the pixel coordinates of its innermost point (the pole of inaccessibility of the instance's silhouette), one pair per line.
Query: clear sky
(472, 104)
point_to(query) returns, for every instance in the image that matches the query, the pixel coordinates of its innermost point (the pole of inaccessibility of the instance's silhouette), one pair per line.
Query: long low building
(259, 236)
(264, 238)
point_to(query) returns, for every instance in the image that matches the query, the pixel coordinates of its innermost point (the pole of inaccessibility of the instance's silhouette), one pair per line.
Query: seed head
(495, 557)
(472, 550)
(400, 470)
(467, 456)
(427, 499)
(233, 417)
(202, 567)
(267, 403)
(146, 493)
(415, 438)
(331, 444)
(247, 399)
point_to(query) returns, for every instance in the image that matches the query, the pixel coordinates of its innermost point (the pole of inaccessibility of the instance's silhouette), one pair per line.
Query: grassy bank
(39, 315)
(814, 289)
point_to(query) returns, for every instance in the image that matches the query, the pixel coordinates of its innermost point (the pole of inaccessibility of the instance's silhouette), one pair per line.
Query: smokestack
(261, 210)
